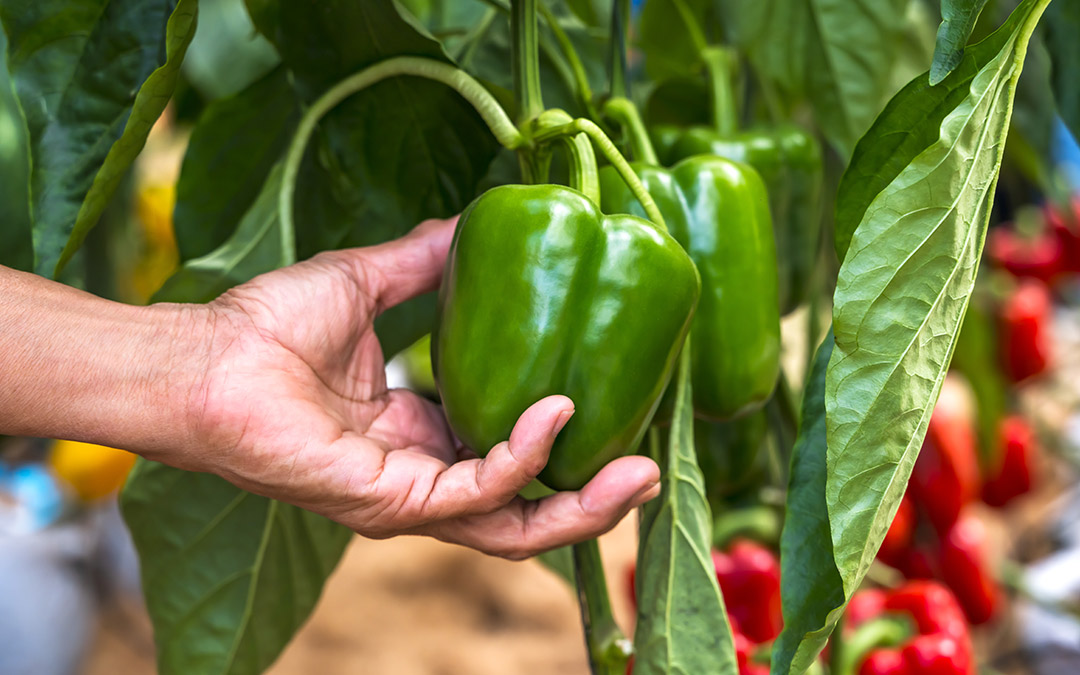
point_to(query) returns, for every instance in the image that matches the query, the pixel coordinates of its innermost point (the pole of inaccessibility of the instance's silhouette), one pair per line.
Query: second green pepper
(717, 209)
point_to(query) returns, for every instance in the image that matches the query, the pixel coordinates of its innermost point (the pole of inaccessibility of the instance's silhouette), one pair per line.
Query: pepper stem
(719, 63)
(609, 650)
(472, 91)
(626, 114)
(612, 154)
(525, 59)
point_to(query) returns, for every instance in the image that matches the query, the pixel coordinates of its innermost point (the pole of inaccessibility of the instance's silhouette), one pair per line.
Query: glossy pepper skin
(790, 162)
(1013, 474)
(941, 644)
(542, 294)
(717, 209)
(749, 577)
(966, 571)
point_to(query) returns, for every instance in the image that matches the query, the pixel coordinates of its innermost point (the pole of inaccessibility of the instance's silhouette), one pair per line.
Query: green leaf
(682, 626)
(836, 53)
(671, 34)
(958, 18)
(16, 249)
(1062, 27)
(92, 78)
(258, 245)
(902, 292)
(908, 125)
(227, 55)
(228, 576)
(232, 149)
(810, 586)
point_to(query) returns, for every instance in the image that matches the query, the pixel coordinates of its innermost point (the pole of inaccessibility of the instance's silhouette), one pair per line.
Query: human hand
(294, 405)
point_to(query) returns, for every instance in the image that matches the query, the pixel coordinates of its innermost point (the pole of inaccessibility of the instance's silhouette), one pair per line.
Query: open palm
(295, 406)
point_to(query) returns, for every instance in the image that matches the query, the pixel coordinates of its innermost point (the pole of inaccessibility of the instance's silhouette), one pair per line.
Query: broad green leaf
(671, 34)
(908, 125)
(1062, 27)
(836, 53)
(228, 576)
(682, 626)
(16, 250)
(901, 295)
(257, 246)
(226, 55)
(92, 78)
(232, 149)
(958, 18)
(810, 586)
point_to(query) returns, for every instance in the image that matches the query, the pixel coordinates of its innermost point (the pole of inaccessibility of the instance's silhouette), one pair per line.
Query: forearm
(76, 366)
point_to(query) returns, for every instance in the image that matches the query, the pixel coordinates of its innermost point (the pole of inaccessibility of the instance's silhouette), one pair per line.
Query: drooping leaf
(810, 586)
(682, 627)
(255, 247)
(228, 576)
(91, 78)
(958, 18)
(1062, 27)
(908, 125)
(902, 292)
(232, 149)
(835, 53)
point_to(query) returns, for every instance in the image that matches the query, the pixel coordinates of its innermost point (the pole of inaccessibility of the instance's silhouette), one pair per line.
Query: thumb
(408, 266)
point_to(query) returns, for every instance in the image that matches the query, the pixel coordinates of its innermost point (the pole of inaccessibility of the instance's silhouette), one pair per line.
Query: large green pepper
(542, 294)
(717, 210)
(731, 455)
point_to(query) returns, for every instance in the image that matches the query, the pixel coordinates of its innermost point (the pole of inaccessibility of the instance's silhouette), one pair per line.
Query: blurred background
(1003, 452)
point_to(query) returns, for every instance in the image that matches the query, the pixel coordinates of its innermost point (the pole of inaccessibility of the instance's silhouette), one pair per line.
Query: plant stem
(718, 66)
(472, 91)
(626, 114)
(577, 68)
(609, 650)
(612, 154)
(620, 22)
(525, 59)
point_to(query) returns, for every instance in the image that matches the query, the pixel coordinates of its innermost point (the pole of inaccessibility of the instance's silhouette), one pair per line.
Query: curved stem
(612, 154)
(584, 176)
(718, 65)
(525, 59)
(609, 650)
(461, 82)
(620, 21)
(626, 114)
(581, 78)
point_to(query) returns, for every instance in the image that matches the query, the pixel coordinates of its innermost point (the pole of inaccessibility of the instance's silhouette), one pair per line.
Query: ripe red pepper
(942, 644)
(1013, 474)
(901, 534)
(749, 577)
(965, 569)
(1041, 257)
(1068, 233)
(946, 474)
(1026, 326)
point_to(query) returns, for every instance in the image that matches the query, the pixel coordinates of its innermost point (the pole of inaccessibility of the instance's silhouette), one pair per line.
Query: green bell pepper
(542, 294)
(717, 210)
(789, 160)
(731, 455)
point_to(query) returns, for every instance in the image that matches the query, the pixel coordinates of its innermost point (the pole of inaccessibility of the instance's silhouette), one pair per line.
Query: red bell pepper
(749, 577)
(1026, 326)
(1068, 233)
(901, 534)
(965, 569)
(942, 644)
(1013, 474)
(1041, 257)
(946, 474)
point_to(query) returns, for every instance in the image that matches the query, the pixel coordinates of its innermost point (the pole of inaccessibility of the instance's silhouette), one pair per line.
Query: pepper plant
(859, 187)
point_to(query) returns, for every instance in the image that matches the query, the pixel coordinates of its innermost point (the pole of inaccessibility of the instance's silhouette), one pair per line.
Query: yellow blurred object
(154, 207)
(93, 471)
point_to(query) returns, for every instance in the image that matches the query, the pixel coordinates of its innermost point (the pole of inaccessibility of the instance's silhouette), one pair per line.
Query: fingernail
(647, 493)
(561, 421)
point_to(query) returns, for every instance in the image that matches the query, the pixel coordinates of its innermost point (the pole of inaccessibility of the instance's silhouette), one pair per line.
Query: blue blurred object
(1067, 154)
(33, 500)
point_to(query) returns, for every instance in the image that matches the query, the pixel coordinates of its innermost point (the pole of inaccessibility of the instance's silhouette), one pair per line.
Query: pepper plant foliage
(229, 576)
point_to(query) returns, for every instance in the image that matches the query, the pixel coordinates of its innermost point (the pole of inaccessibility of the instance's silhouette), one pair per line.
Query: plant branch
(458, 80)
(609, 650)
(626, 114)
(525, 59)
(718, 66)
(620, 22)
